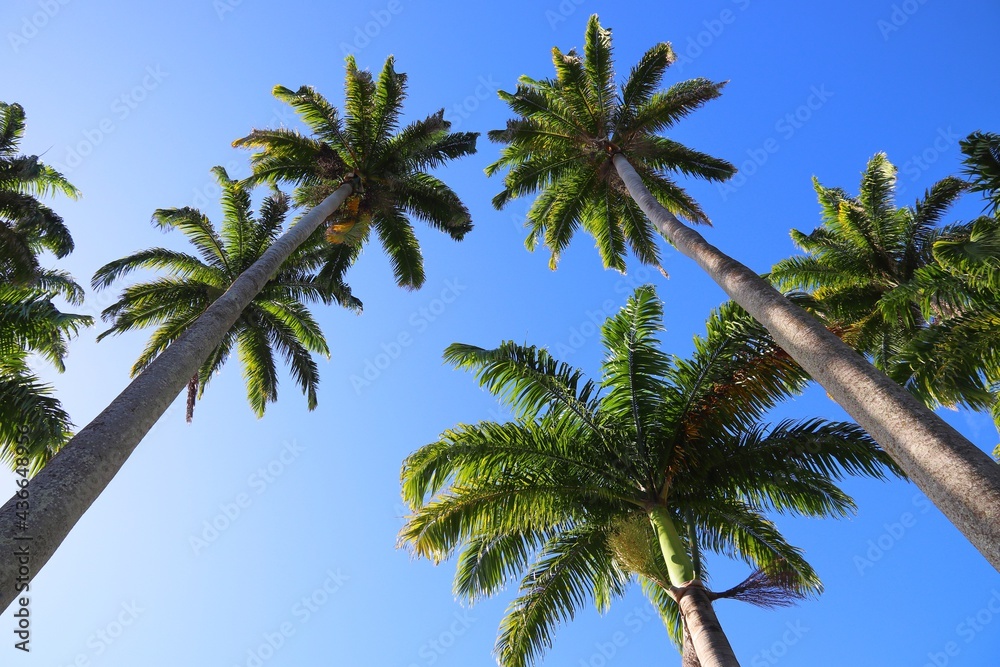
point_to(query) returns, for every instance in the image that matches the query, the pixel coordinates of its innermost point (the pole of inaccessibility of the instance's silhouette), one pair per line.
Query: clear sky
(137, 101)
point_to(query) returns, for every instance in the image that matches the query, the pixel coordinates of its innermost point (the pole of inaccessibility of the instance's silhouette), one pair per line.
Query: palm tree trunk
(688, 656)
(956, 475)
(711, 646)
(75, 477)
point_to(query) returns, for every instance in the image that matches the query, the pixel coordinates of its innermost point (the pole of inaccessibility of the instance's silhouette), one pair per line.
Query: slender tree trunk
(956, 475)
(66, 487)
(711, 646)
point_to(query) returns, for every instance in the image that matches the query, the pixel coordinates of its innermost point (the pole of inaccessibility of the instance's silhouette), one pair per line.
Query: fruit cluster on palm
(33, 425)
(915, 295)
(592, 485)
(276, 320)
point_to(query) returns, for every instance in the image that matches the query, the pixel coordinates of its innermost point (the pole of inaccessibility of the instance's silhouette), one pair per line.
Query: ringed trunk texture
(65, 488)
(688, 657)
(711, 646)
(701, 625)
(958, 477)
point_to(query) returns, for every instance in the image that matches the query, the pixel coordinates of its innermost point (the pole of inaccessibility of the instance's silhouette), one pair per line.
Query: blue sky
(138, 101)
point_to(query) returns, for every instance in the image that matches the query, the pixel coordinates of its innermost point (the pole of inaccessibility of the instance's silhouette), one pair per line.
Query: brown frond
(192, 396)
(768, 590)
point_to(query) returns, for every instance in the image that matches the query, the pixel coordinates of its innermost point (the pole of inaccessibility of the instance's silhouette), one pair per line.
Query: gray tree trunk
(702, 628)
(65, 488)
(958, 477)
(688, 656)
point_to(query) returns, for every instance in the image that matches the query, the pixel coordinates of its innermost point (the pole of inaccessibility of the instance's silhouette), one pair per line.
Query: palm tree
(33, 424)
(276, 318)
(27, 226)
(592, 485)
(389, 164)
(92, 458)
(872, 267)
(583, 145)
(917, 297)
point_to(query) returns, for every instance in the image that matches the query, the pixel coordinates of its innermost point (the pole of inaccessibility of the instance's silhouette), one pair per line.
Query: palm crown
(27, 226)
(891, 279)
(276, 319)
(567, 131)
(565, 493)
(388, 163)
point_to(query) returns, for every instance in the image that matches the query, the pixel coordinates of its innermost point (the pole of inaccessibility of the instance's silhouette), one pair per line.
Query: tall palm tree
(33, 424)
(591, 485)
(27, 226)
(276, 318)
(593, 153)
(65, 488)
